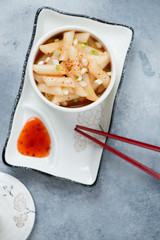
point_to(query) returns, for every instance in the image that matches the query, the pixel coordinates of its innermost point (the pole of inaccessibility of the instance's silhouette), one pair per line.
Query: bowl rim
(56, 31)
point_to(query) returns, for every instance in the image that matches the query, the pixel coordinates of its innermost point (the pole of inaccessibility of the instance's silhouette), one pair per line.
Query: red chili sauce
(34, 139)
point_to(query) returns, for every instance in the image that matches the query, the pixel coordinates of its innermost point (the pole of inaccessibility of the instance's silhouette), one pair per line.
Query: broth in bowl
(72, 69)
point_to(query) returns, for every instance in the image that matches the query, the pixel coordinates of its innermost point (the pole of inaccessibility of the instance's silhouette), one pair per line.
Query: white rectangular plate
(72, 156)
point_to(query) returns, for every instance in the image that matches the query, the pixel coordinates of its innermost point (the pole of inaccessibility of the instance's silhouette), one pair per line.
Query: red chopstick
(119, 138)
(116, 152)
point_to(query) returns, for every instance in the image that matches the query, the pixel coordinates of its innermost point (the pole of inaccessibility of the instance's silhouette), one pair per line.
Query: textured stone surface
(125, 202)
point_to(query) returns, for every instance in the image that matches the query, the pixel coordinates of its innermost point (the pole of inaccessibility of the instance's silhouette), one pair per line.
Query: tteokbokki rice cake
(72, 69)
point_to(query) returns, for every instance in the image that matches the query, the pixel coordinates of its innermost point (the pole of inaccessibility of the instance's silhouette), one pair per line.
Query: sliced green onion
(83, 84)
(84, 61)
(90, 92)
(57, 67)
(94, 52)
(47, 59)
(75, 100)
(79, 78)
(98, 81)
(65, 91)
(56, 40)
(55, 61)
(40, 62)
(57, 52)
(83, 45)
(109, 73)
(75, 41)
(84, 70)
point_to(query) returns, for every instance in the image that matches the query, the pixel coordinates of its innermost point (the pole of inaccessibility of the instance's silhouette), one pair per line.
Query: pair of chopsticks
(118, 153)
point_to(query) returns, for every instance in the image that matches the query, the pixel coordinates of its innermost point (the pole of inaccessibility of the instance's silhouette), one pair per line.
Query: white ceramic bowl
(54, 32)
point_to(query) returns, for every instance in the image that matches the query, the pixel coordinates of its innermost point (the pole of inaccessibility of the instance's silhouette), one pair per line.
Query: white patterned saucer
(17, 210)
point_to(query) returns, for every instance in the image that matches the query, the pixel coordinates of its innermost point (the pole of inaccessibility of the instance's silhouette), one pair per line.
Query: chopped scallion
(75, 41)
(79, 78)
(94, 52)
(83, 45)
(65, 91)
(109, 73)
(57, 67)
(57, 52)
(83, 84)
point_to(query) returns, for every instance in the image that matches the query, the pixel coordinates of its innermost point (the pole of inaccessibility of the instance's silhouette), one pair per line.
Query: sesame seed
(84, 70)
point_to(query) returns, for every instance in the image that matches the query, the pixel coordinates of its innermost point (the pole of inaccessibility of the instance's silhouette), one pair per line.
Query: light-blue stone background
(124, 204)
